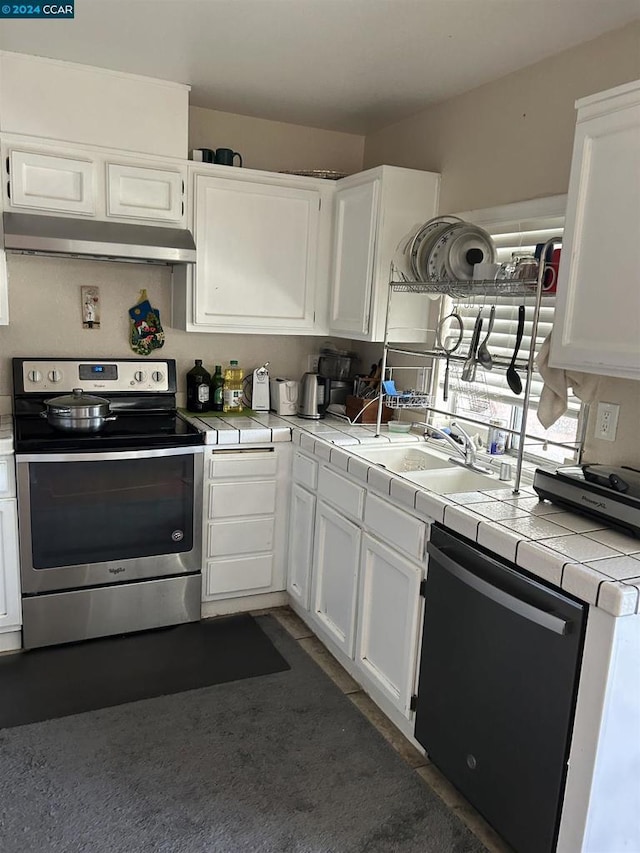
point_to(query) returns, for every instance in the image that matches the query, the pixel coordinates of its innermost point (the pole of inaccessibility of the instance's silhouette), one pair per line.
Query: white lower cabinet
(301, 527)
(336, 558)
(356, 562)
(10, 609)
(245, 517)
(388, 613)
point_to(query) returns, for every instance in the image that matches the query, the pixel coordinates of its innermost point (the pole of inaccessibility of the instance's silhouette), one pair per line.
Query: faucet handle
(470, 442)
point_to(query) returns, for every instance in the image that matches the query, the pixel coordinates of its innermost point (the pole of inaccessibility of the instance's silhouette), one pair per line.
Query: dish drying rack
(474, 292)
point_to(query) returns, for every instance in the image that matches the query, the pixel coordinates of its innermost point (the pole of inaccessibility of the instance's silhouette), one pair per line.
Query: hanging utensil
(484, 356)
(513, 380)
(469, 367)
(449, 344)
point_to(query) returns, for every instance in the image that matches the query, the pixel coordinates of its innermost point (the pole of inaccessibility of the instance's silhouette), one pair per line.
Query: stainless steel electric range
(110, 521)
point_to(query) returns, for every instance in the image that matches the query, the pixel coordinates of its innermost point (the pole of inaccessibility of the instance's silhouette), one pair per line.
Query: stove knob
(34, 376)
(139, 375)
(55, 375)
(157, 376)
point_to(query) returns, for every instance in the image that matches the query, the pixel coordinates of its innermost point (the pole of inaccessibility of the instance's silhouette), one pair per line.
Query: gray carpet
(283, 763)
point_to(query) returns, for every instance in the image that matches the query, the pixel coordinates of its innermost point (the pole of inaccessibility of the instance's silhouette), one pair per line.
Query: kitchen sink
(401, 460)
(454, 479)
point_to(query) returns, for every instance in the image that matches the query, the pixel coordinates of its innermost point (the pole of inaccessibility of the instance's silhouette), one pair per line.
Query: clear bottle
(198, 380)
(217, 386)
(232, 393)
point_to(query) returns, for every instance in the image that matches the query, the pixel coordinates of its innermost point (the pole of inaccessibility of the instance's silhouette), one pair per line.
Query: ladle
(484, 356)
(513, 380)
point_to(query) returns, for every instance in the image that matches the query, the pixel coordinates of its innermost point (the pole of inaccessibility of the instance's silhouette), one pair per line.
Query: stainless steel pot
(78, 412)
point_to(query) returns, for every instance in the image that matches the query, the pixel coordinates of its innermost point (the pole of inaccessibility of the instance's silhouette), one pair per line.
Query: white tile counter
(583, 556)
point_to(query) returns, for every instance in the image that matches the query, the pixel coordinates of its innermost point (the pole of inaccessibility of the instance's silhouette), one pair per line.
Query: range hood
(82, 238)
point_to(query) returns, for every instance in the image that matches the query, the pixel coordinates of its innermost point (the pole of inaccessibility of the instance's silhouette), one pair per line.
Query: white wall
(45, 314)
(274, 145)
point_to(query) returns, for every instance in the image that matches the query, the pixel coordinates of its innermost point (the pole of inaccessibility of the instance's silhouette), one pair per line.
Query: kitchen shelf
(471, 292)
(469, 289)
(519, 364)
(408, 401)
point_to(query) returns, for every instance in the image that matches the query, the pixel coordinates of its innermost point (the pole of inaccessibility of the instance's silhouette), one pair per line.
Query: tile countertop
(596, 563)
(6, 434)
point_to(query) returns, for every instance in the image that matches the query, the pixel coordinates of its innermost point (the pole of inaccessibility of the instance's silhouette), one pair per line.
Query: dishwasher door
(498, 681)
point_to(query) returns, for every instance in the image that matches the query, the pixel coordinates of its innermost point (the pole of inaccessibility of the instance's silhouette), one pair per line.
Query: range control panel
(62, 376)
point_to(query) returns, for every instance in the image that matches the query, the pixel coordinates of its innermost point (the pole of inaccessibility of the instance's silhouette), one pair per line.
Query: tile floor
(415, 759)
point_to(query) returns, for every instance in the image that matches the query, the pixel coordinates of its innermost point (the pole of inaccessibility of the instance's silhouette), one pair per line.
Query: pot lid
(76, 399)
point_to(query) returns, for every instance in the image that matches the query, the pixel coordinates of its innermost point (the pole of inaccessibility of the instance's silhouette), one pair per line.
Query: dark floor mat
(43, 684)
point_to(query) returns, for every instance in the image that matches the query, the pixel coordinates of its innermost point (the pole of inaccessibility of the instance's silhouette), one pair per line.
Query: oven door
(89, 519)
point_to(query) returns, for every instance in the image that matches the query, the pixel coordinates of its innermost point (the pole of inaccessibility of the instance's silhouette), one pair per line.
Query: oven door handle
(115, 455)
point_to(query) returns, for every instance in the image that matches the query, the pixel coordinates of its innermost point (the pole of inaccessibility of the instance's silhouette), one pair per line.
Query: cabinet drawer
(340, 492)
(247, 464)
(395, 527)
(238, 575)
(305, 470)
(241, 536)
(241, 499)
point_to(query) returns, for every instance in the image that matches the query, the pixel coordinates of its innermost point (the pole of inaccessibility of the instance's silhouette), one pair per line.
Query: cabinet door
(10, 609)
(375, 210)
(388, 610)
(356, 212)
(139, 193)
(257, 255)
(45, 182)
(335, 576)
(597, 320)
(301, 525)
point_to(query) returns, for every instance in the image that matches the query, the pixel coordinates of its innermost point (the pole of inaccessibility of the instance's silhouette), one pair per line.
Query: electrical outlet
(312, 363)
(607, 421)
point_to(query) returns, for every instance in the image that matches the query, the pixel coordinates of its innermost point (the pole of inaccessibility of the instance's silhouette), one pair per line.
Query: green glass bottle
(217, 388)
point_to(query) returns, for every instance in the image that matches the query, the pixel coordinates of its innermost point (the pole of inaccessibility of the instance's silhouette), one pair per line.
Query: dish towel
(553, 399)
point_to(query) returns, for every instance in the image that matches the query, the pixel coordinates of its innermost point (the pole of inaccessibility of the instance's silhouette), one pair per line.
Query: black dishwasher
(498, 680)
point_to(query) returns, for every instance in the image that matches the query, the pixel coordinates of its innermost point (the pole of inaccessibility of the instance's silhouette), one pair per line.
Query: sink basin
(401, 460)
(454, 479)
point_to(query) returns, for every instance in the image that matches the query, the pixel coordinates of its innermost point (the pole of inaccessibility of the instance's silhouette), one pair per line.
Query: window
(514, 228)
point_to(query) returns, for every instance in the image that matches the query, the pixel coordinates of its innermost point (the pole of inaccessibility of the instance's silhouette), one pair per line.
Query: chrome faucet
(467, 451)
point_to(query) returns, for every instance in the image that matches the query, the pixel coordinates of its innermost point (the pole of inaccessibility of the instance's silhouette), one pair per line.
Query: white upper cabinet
(263, 249)
(52, 183)
(597, 320)
(79, 104)
(45, 178)
(373, 212)
(135, 192)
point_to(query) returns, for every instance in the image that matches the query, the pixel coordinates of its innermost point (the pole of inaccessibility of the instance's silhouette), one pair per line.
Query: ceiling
(348, 65)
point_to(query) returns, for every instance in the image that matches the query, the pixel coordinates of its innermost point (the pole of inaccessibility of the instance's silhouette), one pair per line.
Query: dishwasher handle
(499, 596)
